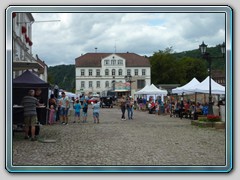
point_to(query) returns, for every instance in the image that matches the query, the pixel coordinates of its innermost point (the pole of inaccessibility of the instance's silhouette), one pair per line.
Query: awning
(23, 65)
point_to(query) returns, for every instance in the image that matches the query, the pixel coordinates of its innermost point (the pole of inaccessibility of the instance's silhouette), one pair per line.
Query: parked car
(106, 102)
(92, 100)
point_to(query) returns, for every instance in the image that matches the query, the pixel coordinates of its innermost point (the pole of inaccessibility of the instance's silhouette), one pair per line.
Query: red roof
(94, 59)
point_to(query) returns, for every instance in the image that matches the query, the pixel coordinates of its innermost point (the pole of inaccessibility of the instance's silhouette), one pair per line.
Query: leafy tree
(189, 68)
(163, 67)
(166, 68)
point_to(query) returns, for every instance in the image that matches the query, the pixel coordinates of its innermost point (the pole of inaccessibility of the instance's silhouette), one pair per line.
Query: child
(96, 108)
(77, 107)
(51, 115)
(157, 107)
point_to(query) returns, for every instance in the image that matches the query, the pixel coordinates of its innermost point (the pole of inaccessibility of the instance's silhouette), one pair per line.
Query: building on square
(100, 73)
(22, 57)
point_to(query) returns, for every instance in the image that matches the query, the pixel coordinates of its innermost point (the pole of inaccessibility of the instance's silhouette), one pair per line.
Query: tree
(167, 69)
(189, 68)
(163, 67)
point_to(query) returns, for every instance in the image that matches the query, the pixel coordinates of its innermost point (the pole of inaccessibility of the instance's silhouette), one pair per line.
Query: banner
(120, 86)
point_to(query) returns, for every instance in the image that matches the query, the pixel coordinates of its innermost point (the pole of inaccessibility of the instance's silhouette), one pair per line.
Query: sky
(75, 34)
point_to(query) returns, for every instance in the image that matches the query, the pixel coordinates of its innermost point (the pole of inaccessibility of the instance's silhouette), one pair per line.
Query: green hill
(63, 76)
(217, 63)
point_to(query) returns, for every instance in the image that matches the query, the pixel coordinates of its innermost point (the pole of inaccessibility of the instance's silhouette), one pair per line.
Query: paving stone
(146, 140)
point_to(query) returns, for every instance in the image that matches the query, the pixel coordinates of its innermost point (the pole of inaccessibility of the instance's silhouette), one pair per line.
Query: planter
(219, 125)
(222, 113)
(205, 124)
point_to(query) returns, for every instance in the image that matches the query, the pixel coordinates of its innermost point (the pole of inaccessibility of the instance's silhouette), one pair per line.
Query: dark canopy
(25, 82)
(28, 79)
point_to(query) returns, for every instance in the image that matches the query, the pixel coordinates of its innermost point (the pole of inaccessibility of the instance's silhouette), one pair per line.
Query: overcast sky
(141, 33)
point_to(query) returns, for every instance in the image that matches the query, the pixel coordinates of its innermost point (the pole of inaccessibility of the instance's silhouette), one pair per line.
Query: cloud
(141, 33)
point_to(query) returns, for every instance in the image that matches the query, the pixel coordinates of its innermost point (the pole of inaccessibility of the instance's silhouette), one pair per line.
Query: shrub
(202, 119)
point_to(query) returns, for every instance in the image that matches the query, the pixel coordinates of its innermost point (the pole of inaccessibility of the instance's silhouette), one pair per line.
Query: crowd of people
(176, 108)
(58, 109)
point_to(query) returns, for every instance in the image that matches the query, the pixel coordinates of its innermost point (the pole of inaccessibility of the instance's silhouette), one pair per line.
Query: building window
(106, 84)
(98, 72)
(113, 72)
(120, 72)
(129, 72)
(144, 72)
(90, 84)
(140, 84)
(90, 72)
(120, 62)
(82, 72)
(106, 62)
(98, 84)
(82, 84)
(136, 72)
(107, 72)
(113, 62)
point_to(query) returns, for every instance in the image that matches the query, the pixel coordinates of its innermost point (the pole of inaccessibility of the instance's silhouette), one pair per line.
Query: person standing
(30, 104)
(156, 107)
(96, 110)
(77, 106)
(52, 102)
(123, 107)
(51, 115)
(85, 109)
(63, 103)
(129, 105)
(38, 95)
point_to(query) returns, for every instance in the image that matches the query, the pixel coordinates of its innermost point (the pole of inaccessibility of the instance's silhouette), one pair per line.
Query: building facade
(22, 45)
(102, 72)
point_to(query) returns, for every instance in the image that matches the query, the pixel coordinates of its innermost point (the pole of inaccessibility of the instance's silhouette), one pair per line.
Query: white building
(22, 46)
(101, 72)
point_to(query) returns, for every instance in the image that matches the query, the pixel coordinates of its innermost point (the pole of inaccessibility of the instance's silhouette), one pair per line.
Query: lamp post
(113, 85)
(128, 78)
(206, 55)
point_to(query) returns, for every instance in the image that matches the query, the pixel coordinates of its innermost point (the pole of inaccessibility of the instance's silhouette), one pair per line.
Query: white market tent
(203, 87)
(68, 94)
(143, 90)
(152, 90)
(155, 91)
(185, 88)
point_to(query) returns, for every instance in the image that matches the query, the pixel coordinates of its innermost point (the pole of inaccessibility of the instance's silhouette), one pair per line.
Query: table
(18, 116)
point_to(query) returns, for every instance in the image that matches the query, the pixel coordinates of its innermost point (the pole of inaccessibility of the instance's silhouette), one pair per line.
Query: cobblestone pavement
(146, 140)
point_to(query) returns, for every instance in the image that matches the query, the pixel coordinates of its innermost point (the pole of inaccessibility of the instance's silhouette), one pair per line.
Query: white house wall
(109, 78)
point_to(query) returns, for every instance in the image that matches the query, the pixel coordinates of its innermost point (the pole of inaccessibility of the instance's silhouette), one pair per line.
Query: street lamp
(128, 78)
(206, 55)
(113, 85)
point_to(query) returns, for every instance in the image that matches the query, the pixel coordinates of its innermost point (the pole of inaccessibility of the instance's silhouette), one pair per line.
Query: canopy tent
(185, 89)
(203, 87)
(68, 94)
(151, 90)
(26, 81)
(155, 91)
(142, 90)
